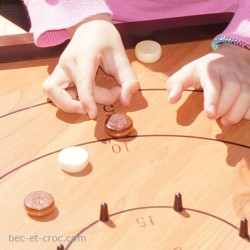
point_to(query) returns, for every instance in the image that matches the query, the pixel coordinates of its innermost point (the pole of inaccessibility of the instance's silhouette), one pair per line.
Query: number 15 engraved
(145, 221)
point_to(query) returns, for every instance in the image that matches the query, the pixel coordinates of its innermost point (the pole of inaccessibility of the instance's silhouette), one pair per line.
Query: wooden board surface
(174, 148)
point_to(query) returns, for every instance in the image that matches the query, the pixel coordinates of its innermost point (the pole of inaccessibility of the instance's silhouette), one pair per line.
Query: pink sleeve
(239, 27)
(51, 18)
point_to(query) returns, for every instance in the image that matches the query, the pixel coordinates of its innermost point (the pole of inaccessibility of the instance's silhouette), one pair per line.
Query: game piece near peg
(148, 51)
(60, 247)
(118, 125)
(39, 204)
(178, 203)
(243, 232)
(73, 159)
(104, 214)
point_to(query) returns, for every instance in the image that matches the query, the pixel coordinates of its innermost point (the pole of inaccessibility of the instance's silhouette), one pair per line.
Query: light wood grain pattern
(174, 148)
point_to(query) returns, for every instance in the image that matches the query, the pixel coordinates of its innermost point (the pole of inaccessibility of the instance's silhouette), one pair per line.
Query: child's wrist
(104, 17)
(222, 39)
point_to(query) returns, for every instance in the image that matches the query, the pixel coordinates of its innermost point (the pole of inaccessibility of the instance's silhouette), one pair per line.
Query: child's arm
(50, 19)
(223, 74)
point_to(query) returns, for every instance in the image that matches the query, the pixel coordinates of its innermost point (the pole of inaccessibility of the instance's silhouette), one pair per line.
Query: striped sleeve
(239, 27)
(51, 18)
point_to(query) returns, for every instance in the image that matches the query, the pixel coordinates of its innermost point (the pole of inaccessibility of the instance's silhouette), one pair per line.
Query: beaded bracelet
(225, 39)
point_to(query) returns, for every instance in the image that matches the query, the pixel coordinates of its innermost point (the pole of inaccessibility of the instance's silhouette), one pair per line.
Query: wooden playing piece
(148, 51)
(243, 232)
(178, 202)
(104, 214)
(73, 159)
(39, 203)
(118, 125)
(60, 247)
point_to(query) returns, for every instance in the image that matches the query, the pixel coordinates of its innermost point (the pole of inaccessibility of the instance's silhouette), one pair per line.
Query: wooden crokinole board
(174, 148)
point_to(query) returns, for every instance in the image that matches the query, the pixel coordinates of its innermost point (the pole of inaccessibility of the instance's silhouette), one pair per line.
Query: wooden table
(174, 148)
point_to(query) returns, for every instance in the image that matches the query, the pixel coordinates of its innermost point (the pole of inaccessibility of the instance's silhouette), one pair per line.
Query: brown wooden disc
(118, 125)
(39, 203)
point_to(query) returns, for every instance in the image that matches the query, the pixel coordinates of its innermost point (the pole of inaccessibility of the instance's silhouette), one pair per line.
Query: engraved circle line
(49, 102)
(129, 136)
(152, 207)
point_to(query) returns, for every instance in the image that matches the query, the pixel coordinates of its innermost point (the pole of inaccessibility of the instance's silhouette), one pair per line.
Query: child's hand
(72, 87)
(224, 76)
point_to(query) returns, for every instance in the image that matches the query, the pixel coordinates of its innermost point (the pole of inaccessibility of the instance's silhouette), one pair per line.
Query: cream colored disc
(73, 159)
(148, 51)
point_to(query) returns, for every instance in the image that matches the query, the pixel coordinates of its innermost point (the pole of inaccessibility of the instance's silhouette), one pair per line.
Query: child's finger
(210, 82)
(85, 80)
(106, 96)
(247, 114)
(127, 79)
(238, 110)
(55, 87)
(229, 93)
(179, 81)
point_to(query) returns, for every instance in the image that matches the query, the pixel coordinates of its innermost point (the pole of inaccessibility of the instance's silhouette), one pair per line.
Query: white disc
(148, 51)
(73, 159)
